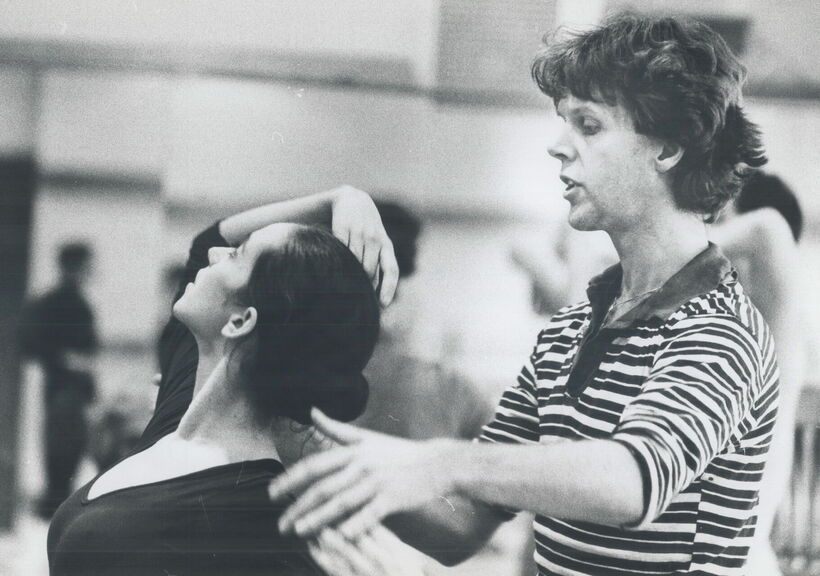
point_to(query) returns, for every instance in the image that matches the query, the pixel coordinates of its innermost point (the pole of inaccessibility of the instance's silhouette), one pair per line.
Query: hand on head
(356, 222)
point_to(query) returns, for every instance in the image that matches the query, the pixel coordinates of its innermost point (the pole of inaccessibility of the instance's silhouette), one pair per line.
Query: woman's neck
(654, 253)
(220, 415)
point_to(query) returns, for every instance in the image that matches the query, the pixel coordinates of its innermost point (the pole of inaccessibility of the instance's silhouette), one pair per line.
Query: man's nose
(561, 147)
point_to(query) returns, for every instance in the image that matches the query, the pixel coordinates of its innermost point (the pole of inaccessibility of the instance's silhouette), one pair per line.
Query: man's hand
(376, 553)
(357, 223)
(363, 481)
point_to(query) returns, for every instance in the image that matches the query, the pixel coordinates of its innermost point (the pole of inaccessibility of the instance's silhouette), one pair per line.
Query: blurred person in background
(57, 329)
(117, 423)
(274, 316)
(558, 267)
(759, 232)
(410, 396)
(638, 430)
(420, 399)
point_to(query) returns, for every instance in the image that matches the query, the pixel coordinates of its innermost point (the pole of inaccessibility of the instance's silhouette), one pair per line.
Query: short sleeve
(701, 387)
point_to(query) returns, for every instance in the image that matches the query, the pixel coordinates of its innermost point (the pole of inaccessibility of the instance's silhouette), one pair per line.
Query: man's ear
(240, 324)
(669, 157)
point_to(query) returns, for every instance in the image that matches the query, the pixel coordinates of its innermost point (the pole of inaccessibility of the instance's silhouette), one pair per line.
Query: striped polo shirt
(688, 381)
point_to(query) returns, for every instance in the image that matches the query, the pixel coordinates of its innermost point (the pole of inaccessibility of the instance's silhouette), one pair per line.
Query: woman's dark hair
(317, 325)
(679, 82)
(769, 191)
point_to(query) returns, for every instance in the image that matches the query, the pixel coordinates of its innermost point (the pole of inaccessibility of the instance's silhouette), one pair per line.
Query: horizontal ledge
(74, 180)
(336, 69)
(356, 72)
(201, 213)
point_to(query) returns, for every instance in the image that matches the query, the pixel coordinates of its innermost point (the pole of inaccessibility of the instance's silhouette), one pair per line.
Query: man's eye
(589, 128)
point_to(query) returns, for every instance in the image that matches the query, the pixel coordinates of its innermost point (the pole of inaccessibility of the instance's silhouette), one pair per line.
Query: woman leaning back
(274, 316)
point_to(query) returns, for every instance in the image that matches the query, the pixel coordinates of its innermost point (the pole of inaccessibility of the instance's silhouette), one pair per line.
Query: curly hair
(679, 82)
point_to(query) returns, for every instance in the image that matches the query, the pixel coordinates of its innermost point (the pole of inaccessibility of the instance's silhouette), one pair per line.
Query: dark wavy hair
(769, 191)
(317, 325)
(679, 82)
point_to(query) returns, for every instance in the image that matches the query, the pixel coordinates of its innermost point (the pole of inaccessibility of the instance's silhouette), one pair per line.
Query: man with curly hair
(638, 429)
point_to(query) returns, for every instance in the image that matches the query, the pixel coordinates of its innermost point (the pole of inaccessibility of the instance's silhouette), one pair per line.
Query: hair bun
(342, 396)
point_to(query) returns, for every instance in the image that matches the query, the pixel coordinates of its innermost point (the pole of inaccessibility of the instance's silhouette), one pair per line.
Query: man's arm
(449, 529)
(701, 387)
(376, 476)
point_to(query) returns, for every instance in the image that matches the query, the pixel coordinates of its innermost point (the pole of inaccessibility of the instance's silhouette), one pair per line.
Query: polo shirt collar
(700, 275)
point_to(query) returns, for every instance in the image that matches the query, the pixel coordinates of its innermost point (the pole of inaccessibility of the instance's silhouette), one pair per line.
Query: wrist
(448, 464)
(340, 192)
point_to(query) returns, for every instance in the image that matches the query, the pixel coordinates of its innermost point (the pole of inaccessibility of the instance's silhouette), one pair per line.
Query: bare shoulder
(761, 234)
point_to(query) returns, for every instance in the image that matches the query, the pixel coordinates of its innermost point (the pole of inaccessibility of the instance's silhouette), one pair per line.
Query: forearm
(450, 529)
(594, 481)
(312, 209)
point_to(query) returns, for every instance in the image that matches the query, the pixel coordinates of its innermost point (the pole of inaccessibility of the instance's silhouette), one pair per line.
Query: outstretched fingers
(308, 471)
(301, 514)
(339, 557)
(364, 520)
(339, 432)
(329, 560)
(353, 500)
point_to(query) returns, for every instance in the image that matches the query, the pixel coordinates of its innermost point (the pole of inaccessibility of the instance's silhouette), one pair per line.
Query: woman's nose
(214, 254)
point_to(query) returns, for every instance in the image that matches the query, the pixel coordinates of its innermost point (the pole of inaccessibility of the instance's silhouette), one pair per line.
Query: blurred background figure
(759, 232)
(57, 330)
(172, 277)
(559, 266)
(422, 398)
(410, 396)
(115, 427)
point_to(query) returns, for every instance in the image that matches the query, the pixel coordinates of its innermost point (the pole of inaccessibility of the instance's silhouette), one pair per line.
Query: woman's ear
(669, 157)
(240, 324)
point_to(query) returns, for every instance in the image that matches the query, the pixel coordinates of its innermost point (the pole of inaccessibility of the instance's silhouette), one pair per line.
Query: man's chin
(578, 222)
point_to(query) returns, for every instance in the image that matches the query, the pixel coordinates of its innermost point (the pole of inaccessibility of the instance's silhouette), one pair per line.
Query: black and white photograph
(409, 288)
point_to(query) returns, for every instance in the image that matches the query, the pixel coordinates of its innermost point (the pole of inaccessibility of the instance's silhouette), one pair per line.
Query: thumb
(339, 432)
